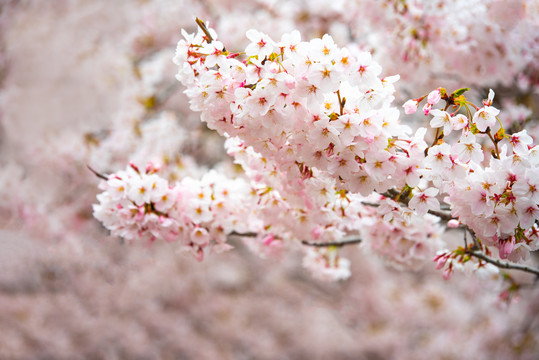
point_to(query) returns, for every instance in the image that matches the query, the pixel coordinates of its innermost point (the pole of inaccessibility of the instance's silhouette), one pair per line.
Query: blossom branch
(443, 215)
(474, 250)
(343, 242)
(404, 200)
(502, 264)
(247, 234)
(349, 241)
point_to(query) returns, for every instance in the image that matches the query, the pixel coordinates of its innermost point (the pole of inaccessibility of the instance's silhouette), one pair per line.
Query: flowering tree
(326, 164)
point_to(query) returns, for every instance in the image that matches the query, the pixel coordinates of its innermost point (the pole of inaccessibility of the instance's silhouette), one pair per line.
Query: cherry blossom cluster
(295, 209)
(499, 202)
(310, 120)
(403, 237)
(494, 194)
(141, 206)
(304, 105)
(314, 209)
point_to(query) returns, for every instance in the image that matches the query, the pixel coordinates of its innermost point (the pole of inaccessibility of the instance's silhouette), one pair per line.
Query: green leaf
(459, 92)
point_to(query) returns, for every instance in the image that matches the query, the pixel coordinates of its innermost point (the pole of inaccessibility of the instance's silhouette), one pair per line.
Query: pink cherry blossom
(485, 117)
(424, 200)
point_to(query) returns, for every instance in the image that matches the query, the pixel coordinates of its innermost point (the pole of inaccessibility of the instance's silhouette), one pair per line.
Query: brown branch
(444, 215)
(341, 102)
(203, 27)
(343, 242)
(247, 234)
(99, 175)
(475, 250)
(502, 264)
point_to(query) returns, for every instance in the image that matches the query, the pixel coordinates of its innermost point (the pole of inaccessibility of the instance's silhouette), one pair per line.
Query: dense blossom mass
(325, 156)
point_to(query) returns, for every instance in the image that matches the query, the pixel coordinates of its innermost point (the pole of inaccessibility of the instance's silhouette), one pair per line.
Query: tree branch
(475, 250)
(444, 215)
(247, 234)
(340, 243)
(502, 264)
(99, 175)
(349, 241)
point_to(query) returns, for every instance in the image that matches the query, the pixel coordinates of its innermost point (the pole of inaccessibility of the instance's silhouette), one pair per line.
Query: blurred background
(92, 83)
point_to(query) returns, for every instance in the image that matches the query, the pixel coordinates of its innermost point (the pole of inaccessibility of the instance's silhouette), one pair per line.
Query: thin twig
(340, 243)
(476, 245)
(341, 102)
(444, 215)
(343, 242)
(475, 250)
(502, 264)
(99, 175)
(366, 203)
(203, 27)
(247, 234)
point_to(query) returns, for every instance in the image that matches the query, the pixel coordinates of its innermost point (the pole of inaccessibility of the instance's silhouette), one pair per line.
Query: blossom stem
(435, 138)
(203, 27)
(476, 107)
(341, 102)
(494, 142)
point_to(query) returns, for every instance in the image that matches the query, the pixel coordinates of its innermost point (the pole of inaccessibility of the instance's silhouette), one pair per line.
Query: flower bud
(410, 107)
(426, 108)
(434, 97)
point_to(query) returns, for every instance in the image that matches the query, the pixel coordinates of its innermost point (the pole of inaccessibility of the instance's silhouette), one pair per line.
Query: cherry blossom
(485, 117)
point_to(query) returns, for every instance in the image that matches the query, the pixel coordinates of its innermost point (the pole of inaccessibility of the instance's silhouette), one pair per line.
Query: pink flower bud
(426, 108)
(441, 262)
(453, 223)
(268, 239)
(149, 167)
(448, 272)
(134, 167)
(506, 247)
(433, 97)
(410, 107)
